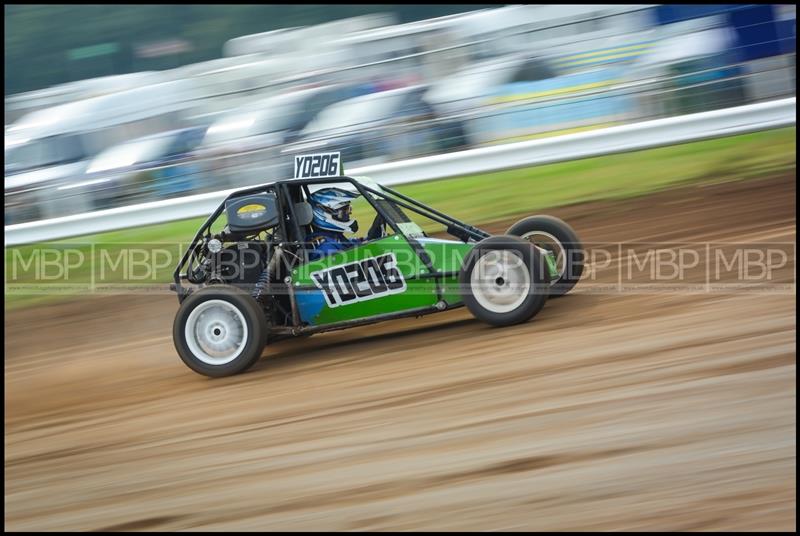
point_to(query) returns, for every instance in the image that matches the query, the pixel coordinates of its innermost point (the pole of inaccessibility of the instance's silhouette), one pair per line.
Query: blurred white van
(51, 147)
(20, 104)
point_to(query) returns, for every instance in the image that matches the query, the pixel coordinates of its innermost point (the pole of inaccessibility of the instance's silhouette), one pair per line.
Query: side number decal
(360, 281)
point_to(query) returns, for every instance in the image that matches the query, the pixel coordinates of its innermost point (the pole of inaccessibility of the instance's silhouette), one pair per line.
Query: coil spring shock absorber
(261, 285)
(266, 276)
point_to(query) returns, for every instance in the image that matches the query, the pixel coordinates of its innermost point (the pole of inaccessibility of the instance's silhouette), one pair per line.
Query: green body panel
(446, 256)
(552, 267)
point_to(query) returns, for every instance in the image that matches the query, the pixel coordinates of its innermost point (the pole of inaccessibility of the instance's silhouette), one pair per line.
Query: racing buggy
(254, 280)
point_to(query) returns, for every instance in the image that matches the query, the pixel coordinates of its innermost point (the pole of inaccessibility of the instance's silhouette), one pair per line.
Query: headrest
(304, 213)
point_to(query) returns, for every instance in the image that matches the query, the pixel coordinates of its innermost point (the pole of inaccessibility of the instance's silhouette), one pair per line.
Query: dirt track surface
(606, 412)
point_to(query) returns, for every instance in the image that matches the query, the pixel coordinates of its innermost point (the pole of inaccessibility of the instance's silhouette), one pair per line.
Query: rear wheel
(554, 235)
(219, 331)
(504, 281)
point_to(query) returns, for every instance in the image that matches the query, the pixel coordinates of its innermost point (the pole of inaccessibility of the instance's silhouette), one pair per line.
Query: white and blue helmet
(332, 210)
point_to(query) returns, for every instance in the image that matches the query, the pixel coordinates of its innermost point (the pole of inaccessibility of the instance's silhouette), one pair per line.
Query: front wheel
(554, 235)
(219, 331)
(504, 281)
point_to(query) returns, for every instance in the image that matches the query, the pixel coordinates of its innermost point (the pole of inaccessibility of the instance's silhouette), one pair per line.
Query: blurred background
(653, 405)
(139, 103)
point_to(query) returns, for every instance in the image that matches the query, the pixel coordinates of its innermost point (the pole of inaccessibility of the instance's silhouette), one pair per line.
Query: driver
(332, 218)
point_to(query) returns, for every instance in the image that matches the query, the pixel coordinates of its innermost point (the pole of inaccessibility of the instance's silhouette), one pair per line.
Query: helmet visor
(342, 213)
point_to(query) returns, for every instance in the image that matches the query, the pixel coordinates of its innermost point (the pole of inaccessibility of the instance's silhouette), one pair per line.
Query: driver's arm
(376, 230)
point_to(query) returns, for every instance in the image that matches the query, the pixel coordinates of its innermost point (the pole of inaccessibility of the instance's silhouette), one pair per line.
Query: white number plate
(317, 165)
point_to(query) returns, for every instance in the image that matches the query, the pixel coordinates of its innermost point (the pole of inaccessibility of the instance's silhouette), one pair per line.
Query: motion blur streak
(373, 89)
(611, 412)
(618, 409)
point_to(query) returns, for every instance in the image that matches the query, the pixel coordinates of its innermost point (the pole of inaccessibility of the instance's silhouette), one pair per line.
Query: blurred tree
(38, 38)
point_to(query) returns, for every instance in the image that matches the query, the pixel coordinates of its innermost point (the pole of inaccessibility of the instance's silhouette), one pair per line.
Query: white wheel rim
(541, 239)
(500, 281)
(216, 332)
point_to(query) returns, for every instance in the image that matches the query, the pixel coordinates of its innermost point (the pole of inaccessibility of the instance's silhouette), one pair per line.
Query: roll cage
(388, 205)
